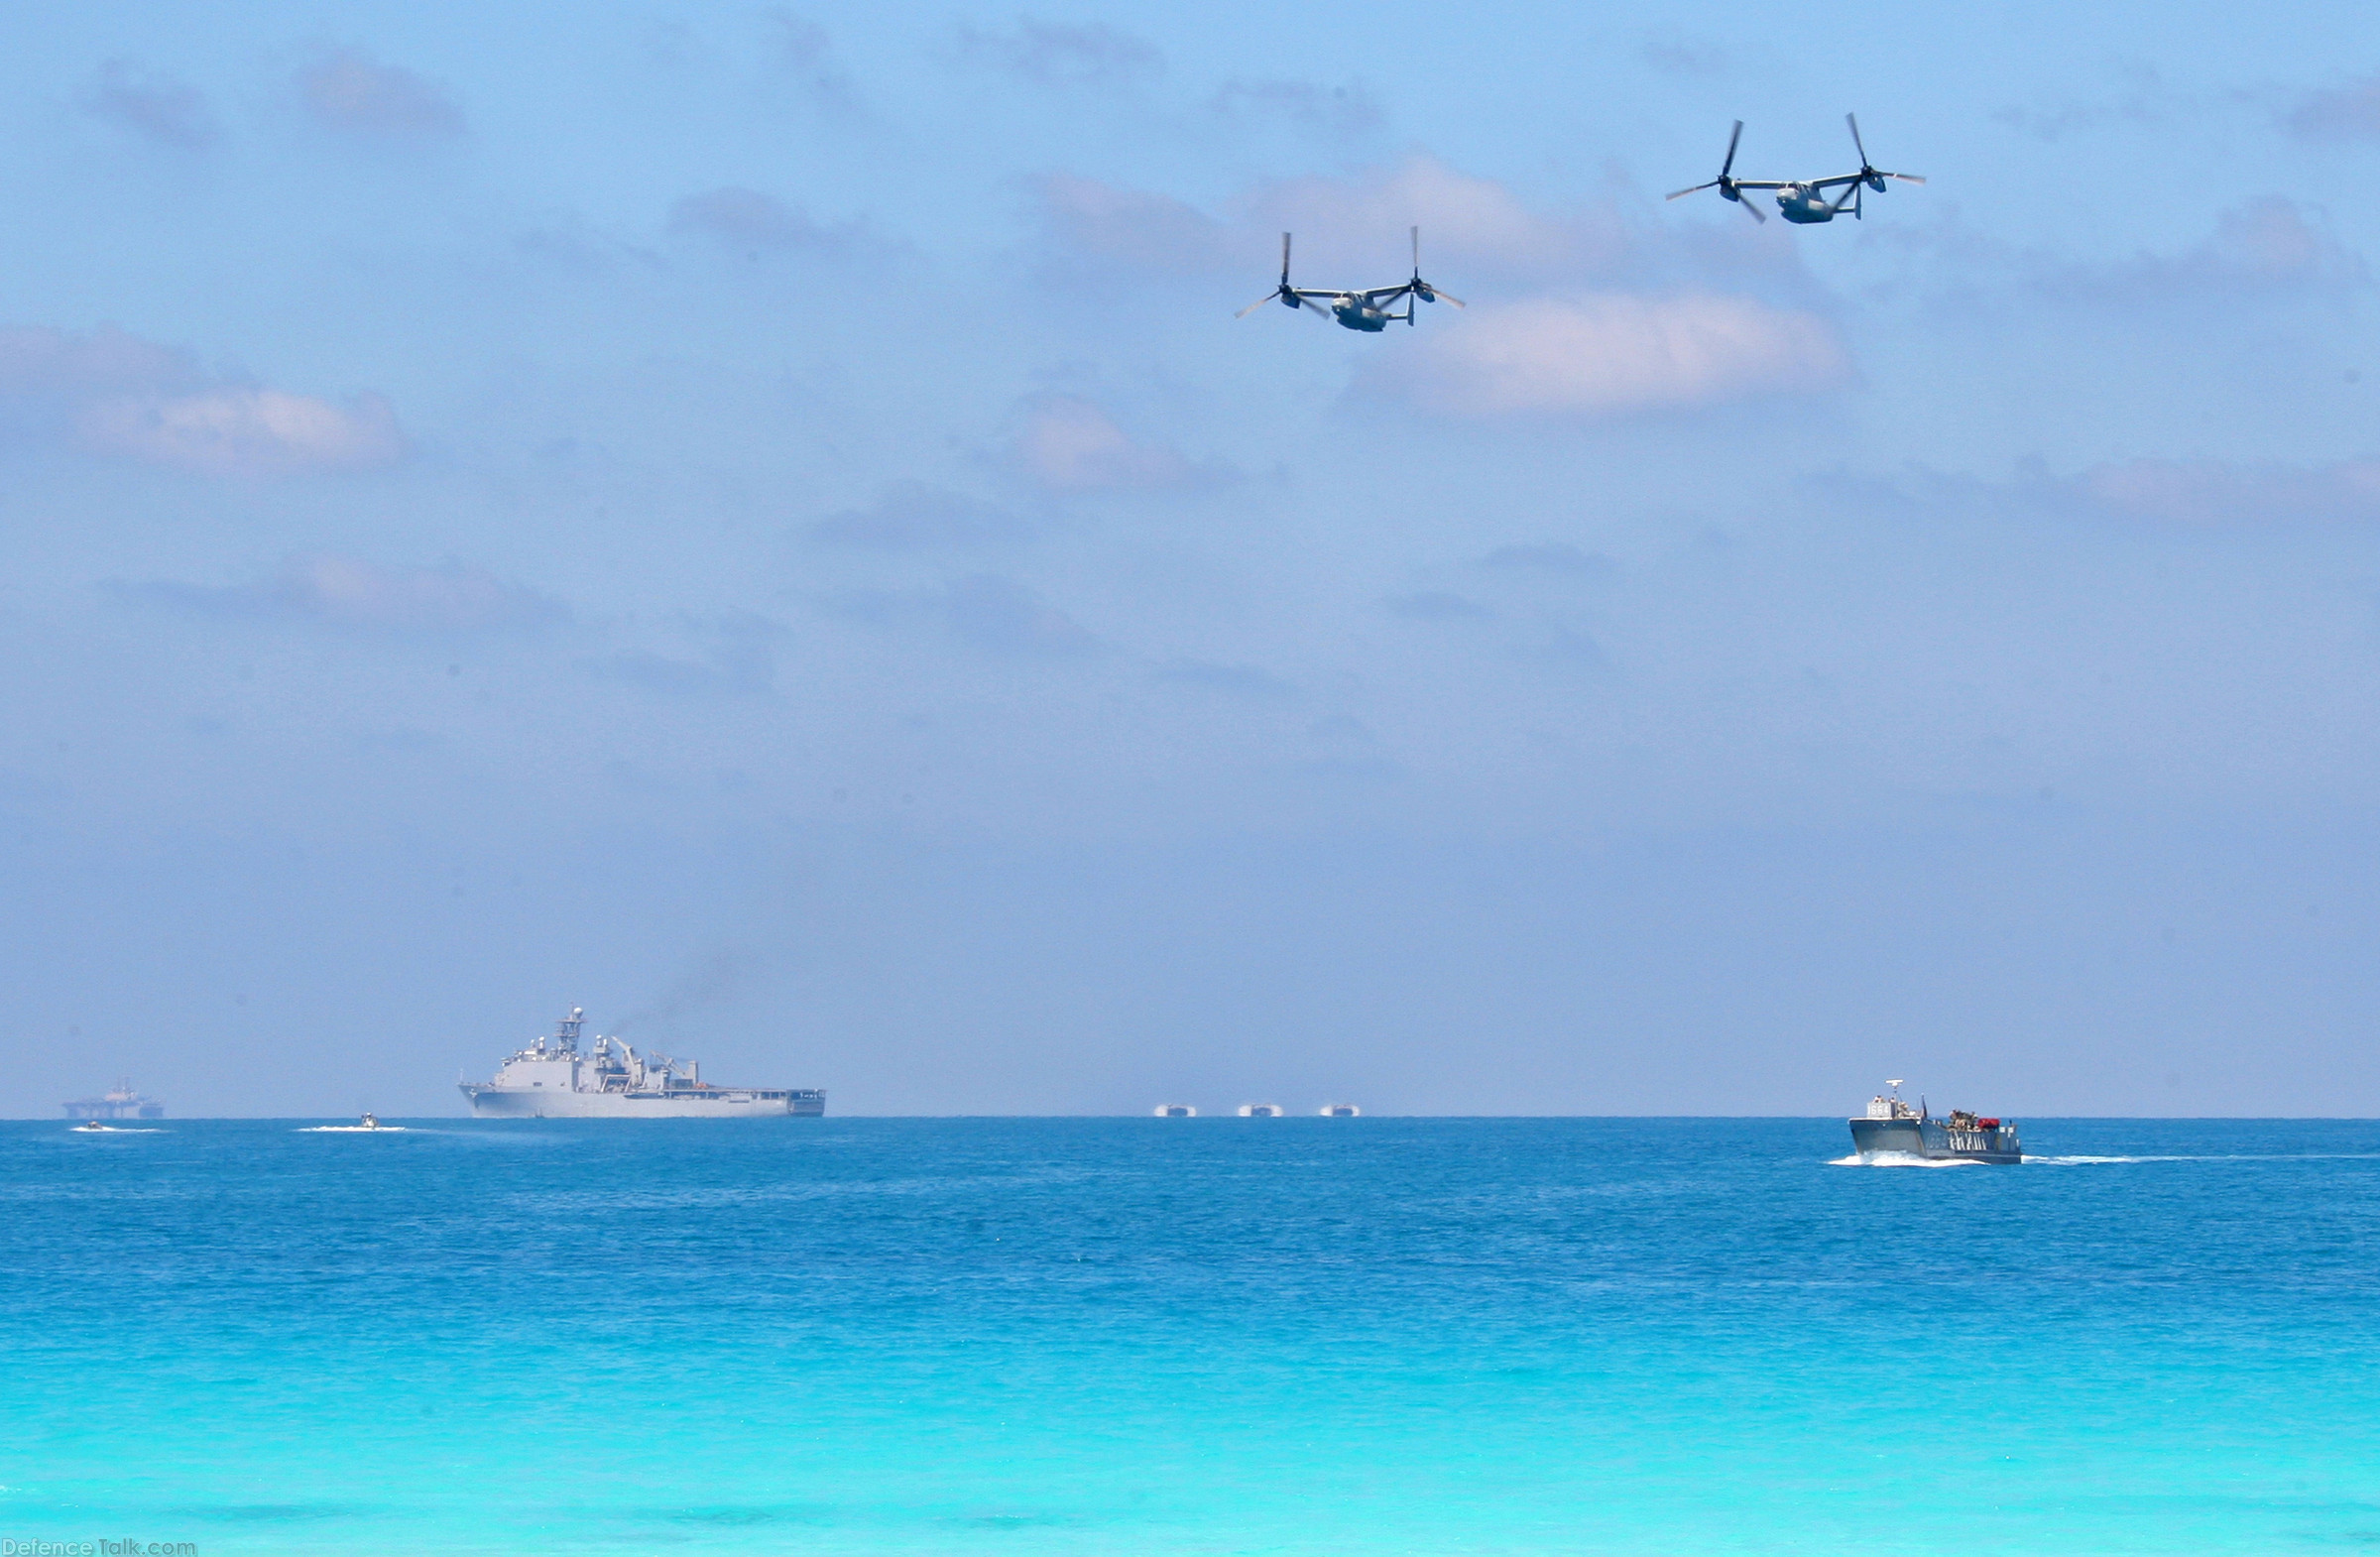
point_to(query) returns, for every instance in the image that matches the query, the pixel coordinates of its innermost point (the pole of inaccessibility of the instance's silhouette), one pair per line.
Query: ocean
(1214, 1336)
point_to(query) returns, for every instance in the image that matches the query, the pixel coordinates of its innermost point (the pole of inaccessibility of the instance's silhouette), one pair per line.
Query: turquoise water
(1145, 1336)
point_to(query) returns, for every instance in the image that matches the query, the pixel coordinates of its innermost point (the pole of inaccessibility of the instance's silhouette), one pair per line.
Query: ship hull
(1932, 1139)
(722, 1103)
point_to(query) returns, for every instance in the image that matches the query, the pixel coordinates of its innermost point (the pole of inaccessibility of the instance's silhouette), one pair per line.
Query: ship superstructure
(552, 1078)
(118, 1101)
(1893, 1125)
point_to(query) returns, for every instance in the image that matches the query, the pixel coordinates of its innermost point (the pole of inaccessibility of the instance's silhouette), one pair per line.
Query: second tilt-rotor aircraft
(1373, 309)
(1803, 201)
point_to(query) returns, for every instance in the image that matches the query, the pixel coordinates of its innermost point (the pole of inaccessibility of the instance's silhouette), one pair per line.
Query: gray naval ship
(1893, 1125)
(118, 1101)
(553, 1079)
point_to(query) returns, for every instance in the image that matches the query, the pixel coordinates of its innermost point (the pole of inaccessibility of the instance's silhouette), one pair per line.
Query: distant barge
(119, 1102)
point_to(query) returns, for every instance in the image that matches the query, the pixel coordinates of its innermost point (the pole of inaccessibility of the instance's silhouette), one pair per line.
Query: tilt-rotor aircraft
(1802, 199)
(1373, 310)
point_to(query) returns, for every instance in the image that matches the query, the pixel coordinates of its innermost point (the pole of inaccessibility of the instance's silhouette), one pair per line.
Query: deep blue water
(1145, 1336)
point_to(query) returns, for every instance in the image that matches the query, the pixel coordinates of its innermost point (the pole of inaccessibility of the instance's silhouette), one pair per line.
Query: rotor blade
(1733, 136)
(1853, 120)
(1284, 259)
(1697, 189)
(1752, 208)
(1446, 296)
(1907, 177)
(1417, 251)
(1254, 306)
(1317, 307)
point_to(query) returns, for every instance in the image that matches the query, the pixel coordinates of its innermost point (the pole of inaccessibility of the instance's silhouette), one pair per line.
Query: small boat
(91, 1127)
(1259, 1110)
(368, 1122)
(1176, 1111)
(1340, 1111)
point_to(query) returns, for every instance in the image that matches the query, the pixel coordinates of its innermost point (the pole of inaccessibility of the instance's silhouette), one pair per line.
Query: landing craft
(1372, 311)
(1803, 201)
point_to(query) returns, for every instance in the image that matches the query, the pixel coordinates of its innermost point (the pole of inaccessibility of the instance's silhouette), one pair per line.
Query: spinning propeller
(1284, 291)
(1422, 289)
(1726, 187)
(1869, 174)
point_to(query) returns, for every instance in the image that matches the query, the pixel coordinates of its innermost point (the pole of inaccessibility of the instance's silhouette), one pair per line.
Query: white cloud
(2211, 492)
(1609, 353)
(235, 431)
(1073, 446)
(2265, 246)
(346, 592)
(114, 394)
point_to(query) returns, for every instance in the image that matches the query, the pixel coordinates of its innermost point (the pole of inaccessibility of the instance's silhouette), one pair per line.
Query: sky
(762, 523)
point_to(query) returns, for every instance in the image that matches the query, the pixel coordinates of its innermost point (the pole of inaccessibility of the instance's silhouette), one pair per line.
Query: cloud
(1464, 221)
(750, 219)
(112, 394)
(802, 49)
(1613, 353)
(1143, 233)
(2268, 245)
(1058, 54)
(984, 611)
(1352, 231)
(2349, 112)
(914, 516)
(169, 111)
(2211, 492)
(1073, 446)
(237, 431)
(1005, 617)
(348, 91)
(749, 670)
(1676, 53)
(349, 592)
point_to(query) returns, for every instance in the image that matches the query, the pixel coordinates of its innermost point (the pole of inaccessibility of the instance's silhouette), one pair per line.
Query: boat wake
(351, 1130)
(1903, 1160)
(2229, 1157)
(113, 1129)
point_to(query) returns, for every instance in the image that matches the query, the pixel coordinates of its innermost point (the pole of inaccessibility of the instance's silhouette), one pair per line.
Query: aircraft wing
(1840, 180)
(1380, 294)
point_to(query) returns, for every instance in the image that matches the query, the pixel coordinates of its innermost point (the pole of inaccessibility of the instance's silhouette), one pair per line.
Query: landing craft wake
(553, 1079)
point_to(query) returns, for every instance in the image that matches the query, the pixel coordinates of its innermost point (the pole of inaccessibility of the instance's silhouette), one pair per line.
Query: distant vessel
(1259, 1110)
(1893, 1125)
(1340, 1111)
(553, 1079)
(119, 1101)
(1176, 1111)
